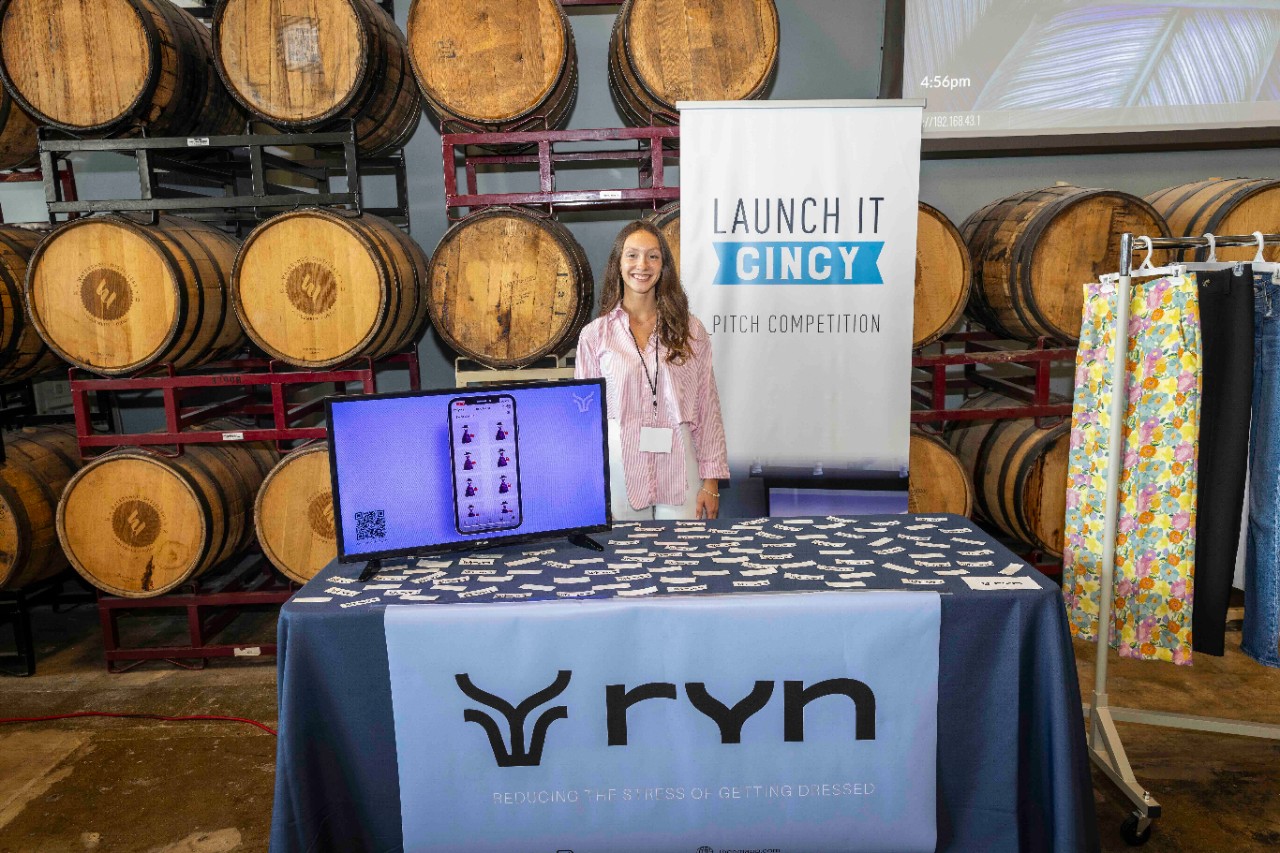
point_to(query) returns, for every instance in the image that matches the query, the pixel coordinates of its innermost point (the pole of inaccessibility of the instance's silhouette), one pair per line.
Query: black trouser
(1226, 322)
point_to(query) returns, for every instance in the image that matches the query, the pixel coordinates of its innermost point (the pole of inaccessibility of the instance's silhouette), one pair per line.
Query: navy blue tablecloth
(1013, 772)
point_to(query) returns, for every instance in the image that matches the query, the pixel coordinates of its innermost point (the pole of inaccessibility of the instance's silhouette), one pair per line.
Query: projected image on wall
(1018, 67)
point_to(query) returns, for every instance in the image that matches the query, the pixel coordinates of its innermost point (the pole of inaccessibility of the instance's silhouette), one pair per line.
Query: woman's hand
(708, 505)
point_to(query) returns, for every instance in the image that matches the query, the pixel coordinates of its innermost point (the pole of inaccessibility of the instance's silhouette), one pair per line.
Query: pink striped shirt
(686, 395)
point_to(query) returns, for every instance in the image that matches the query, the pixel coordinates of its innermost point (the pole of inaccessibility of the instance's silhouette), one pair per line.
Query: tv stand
(371, 568)
(584, 541)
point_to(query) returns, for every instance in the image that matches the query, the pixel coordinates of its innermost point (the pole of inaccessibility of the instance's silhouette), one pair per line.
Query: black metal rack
(231, 180)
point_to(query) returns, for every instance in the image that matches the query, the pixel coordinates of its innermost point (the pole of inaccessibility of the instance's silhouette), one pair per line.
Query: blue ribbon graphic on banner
(799, 263)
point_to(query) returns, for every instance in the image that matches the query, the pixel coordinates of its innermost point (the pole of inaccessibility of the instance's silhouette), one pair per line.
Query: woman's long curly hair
(673, 303)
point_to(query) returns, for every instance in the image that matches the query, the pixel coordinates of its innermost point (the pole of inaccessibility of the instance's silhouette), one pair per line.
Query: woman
(666, 438)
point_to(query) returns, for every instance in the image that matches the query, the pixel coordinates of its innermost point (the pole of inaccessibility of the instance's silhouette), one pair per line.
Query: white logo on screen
(584, 403)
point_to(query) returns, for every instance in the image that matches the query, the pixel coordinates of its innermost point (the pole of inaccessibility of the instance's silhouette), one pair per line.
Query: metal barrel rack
(209, 607)
(641, 147)
(260, 389)
(234, 181)
(976, 360)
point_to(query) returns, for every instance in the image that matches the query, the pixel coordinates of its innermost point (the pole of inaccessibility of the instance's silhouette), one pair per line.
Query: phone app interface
(486, 463)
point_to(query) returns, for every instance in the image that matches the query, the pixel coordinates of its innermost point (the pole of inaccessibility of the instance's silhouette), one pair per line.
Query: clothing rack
(1105, 747)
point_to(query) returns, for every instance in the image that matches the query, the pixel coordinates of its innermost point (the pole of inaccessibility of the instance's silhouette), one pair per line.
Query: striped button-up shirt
(686, 395)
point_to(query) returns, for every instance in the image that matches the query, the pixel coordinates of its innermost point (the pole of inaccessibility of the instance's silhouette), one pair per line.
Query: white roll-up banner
(798, 248)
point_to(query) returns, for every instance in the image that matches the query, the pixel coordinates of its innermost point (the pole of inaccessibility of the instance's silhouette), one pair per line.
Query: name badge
(655, 439)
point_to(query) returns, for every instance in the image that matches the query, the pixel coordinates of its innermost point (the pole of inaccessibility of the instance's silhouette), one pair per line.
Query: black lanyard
(651, 381)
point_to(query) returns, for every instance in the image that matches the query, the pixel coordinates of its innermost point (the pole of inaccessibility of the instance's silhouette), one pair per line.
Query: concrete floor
(206, 787)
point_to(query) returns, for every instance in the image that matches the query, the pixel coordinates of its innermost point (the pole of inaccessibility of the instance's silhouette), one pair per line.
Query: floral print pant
(1155, 540)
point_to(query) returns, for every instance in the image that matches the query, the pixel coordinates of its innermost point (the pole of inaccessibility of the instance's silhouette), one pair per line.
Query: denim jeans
(1261, 640)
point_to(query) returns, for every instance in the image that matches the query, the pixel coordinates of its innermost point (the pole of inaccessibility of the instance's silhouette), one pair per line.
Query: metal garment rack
(1105, 747)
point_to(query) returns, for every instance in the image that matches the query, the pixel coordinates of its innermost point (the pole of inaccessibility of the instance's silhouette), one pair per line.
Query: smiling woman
(666, 437)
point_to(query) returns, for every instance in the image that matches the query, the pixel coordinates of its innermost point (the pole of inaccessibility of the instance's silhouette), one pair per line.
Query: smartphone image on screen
(484, 443)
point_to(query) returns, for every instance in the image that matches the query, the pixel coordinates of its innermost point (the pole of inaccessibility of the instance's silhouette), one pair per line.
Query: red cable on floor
(262, 726)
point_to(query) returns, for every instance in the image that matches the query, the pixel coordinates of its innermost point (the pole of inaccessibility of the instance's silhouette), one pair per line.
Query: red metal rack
(210, 608)
(980, 355)
(264, 388)
(554, 147)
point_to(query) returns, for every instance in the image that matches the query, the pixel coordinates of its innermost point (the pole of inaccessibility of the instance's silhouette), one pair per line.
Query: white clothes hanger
(1260, 263)
(1211, 263)
(1146, 270)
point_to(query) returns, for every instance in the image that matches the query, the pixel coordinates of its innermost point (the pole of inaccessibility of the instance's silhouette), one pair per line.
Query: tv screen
(1100, 68)
(424, 472)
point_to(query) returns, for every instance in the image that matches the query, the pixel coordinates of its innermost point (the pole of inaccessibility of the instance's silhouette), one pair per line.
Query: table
(1013, 770)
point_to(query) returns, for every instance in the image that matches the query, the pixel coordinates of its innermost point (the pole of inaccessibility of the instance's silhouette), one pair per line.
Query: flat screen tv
(424, 472)
(1035, 77)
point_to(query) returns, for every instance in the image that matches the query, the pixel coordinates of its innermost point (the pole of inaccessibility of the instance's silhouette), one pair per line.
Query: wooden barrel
(494, 65)
(18, 143)
(114, 66)
(944, 276)
(316, 288)
(1222, 206)
(294, 513)
(667, 218)
(664, 51)
(23, 355)
(508, 287)
(138, 524)
(1033, 251)
(1019, 473)
(38, 463)
(305, 64)
(114, 296)
(938, 482)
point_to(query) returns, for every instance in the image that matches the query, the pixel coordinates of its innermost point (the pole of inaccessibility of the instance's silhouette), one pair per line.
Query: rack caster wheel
(1136, 830)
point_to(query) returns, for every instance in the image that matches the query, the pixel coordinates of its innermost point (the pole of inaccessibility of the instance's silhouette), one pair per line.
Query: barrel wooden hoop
(1239, 194)
(394, 304)
(223, 284)
(22, 521)
(15, 294)
(1036, 450)
(128, 119)
(981, 460)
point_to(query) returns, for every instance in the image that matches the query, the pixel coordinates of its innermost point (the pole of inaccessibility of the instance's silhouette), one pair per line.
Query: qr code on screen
(371, 525)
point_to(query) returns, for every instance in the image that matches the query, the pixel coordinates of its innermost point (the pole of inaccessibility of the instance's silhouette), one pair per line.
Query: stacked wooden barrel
(293, 513)
(115, 295)
(664, 51)
(113, 67)
(1222, 206)
(38, 464)
(139, 524)
(938, 482)
(307, 64)
(667, 219)
(1019, 473)
(18, 143)
(317, 288)
(494, 65)
(1033, 251)
(23, 355)
(944, 276)
(508, 287)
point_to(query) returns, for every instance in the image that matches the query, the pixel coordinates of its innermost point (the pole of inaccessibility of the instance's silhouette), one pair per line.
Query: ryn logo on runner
(729, 719)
